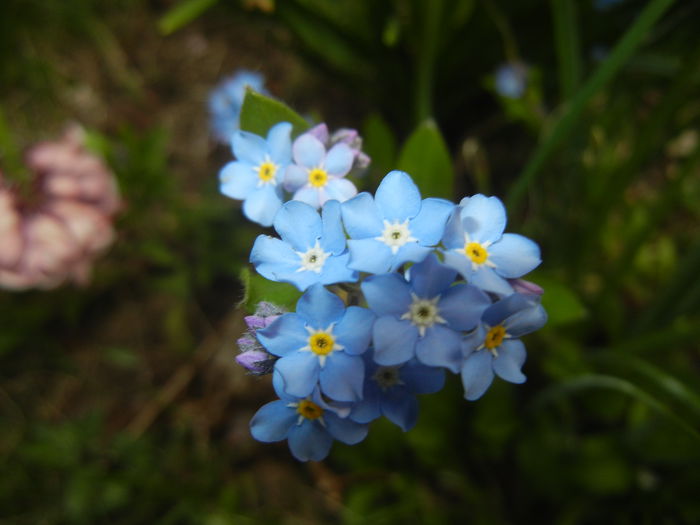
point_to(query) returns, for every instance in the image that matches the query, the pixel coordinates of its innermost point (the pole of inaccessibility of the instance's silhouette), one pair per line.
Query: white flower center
(423, 313)
(313, 259)
(396, 234)
(387, 376)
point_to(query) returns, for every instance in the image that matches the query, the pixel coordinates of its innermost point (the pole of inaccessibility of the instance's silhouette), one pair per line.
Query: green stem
(431, 13)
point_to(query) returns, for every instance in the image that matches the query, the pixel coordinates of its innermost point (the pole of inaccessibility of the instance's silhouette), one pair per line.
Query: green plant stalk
(567, 44)
(431, 12)
(607, 70)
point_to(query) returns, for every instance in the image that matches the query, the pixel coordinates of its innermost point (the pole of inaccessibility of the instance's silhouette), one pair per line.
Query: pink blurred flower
(52, 231)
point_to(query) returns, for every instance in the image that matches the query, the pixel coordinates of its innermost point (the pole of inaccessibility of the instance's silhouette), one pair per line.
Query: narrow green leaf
(182, 14)
(379, 143)
(607, 70)
(257, 289)
(566, 40)
(259, 113)
(425, 157)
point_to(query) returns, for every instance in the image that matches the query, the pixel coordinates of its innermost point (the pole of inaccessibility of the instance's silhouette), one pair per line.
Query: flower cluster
(311, 169)
(52, 231)
(397, 291)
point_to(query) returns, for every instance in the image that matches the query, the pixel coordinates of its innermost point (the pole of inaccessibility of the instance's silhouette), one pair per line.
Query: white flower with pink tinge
(52, 231)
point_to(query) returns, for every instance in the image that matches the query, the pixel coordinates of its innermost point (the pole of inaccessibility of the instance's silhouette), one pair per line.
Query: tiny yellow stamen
(309, 409)
(266, 171)
(494, 337)
(318, 177)
(476, 252)
(321, 343)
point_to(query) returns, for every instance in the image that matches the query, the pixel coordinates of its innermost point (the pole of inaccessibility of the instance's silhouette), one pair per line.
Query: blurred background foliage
(119, 402)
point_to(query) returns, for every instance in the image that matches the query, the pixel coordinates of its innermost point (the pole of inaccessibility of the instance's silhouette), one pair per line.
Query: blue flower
(494, 346)
(477, 248)
(308, 423)
(422, 317)
(511, 80)
(321, 342)
(226, 100)
(391, 391)
(316, 175)
(312, 248)
(395, 226)
(256, 176)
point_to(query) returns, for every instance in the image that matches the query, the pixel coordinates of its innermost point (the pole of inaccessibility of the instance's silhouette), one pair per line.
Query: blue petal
(361, 217)
(272, 422)
(477, 374)
(262, 205)
(333, 237)
(368, 408)
(308, 151)
(238, 180)
(429, 225)
(336, 270)
(486, 279)
(354, 331)
(430, 278)
(309, 195)
(526, 321)
(298, 224)
(345, 430)
(274, 259)
(409, 252)
(387, 294)
(340, 189)
(440, 347)
(394, 341)
(462, 306)
(309, 441)
(453, 238)
(285, 335)
(279, 143)
(514, 255)
(507, 307)
(300, 371)
(249, 147)
(401, 408)
(342, 377)
(459, 262)
(511, 356)
(295, 177)
(319, 307)
(483, 218)
(339, 160)
(421, 379)
(397, 197)
(473, 340)
(369, 255)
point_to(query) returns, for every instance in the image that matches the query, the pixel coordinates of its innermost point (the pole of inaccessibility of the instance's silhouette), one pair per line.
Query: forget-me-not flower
(321, 344)
(494, 347)
(316, 175)
(308, 423)
(391, 391)
(424, 316)
(311, 249)
(255, 177)
(226, 101)
(395, 226)
(475, 245)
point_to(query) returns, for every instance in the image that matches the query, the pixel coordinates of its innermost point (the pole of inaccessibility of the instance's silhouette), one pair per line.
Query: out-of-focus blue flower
(511, 80)
(255, 177)
(424, 316)
(476, 246)
(308, 423)
(395, 226)
(391, 391)
(316, 175)
(494, 346)
(320, 344)
(312, 248)
(226, 100)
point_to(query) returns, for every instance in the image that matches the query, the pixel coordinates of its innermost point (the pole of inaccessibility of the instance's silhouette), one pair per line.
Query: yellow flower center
(318, 177)
(494, 337)
(266, 171)
(321, 343)
(309, 409)
(476, 252)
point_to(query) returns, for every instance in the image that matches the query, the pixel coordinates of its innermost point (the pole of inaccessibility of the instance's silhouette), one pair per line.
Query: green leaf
(257, 288)
(566, 39)
(561, 302)
(379, 143)
(182, 14)
(259, 113)
(425, 157)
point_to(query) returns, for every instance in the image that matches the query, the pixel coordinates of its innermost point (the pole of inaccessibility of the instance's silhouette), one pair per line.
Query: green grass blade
(567, 44)
(182, 14)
